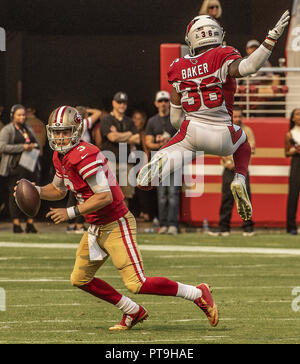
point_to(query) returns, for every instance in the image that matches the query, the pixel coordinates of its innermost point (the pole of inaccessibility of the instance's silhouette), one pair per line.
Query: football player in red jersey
(82, 168)
(203, 91)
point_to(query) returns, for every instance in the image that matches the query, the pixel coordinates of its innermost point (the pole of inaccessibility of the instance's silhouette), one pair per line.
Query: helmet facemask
(61, 147)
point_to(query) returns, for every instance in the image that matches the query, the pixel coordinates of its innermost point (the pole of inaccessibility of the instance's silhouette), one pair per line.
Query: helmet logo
(77, 118)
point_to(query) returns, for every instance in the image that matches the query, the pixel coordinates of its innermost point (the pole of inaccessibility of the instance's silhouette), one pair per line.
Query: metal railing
(273, 91)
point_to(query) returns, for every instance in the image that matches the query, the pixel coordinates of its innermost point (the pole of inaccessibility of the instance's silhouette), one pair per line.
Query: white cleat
(151, 174)
(243, 204)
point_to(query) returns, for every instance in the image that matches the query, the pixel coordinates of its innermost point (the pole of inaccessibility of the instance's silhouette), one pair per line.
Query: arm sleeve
(58, 182)
(176, 116)
(98, 182)
(255, 61)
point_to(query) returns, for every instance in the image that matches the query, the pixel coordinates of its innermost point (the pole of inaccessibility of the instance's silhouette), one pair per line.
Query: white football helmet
(203, 30)
(64, 118)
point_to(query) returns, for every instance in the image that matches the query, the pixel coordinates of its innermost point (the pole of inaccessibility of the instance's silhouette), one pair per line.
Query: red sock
(241, 158)
(99, 288)
(159, 286)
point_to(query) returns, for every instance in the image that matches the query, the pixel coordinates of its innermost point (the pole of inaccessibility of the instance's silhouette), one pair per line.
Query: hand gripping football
(27, 198)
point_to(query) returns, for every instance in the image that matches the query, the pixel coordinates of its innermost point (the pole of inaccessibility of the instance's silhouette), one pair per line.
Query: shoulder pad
(82, 151)
(174, 70)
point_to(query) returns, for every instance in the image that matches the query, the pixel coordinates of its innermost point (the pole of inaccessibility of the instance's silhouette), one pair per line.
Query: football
(27, 198)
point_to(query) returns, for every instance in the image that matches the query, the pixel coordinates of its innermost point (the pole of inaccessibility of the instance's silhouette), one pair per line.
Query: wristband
(38, 189)
(73, 212)
(270, 41)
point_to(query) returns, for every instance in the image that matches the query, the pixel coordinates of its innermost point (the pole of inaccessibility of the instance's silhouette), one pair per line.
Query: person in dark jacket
(292, 149)
(17, 144)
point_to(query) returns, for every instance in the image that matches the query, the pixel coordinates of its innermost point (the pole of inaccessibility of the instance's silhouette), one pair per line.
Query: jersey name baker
(194, 71)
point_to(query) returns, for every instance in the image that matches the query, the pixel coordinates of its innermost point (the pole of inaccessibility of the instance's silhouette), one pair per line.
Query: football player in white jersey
(202, 102)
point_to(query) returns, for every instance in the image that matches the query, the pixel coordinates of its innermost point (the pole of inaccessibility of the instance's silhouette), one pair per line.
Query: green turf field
(252, 288)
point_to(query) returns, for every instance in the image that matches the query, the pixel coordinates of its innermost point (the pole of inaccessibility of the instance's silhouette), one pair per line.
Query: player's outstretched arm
(247, 66)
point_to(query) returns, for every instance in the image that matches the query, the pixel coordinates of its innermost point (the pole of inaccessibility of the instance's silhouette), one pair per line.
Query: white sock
(188, 292)
(238, 175)
(127, 305)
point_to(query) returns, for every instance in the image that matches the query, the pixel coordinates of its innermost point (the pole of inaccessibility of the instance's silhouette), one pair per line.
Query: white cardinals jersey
(206, 88)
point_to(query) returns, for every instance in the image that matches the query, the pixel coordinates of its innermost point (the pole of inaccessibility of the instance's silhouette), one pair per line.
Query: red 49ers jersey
(80, 163)
(207, 91)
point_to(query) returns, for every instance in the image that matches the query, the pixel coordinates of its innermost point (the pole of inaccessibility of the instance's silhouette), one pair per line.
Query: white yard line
(167, 248)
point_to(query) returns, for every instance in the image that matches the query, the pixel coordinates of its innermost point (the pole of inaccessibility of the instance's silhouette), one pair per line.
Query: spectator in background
(159, 131)
(140, 119)
(212, 8)
(253, 83)
(39, 129)
(292, 149)
(15, 138)
(143, 203)
(3, 183)
(1, 112)
(96, 131)
(37, 126)
(89, 117)
(118, 128)
(228, 176)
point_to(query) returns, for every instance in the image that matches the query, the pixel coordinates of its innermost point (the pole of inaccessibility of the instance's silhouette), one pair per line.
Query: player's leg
(126, 257)
(162, 203)
(226, 140)
(85, 270)
(168, 159)
(173, 207)
(227, 201)
(83, 278)
(248, 225)
(241, 156)
(293, 196)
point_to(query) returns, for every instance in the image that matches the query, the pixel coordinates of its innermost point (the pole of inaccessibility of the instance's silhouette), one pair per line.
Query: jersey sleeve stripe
(236, 56)
(99, 161)
(89, 173)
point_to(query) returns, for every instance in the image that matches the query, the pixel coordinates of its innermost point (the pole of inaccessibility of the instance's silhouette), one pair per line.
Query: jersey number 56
(207, 94)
